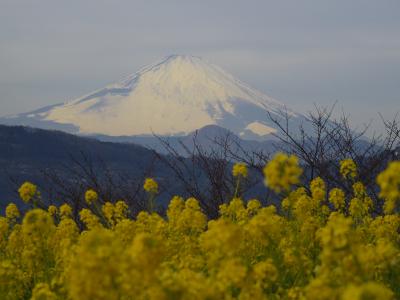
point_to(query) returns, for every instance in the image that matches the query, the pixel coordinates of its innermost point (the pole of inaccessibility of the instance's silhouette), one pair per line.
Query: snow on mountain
(174, 96)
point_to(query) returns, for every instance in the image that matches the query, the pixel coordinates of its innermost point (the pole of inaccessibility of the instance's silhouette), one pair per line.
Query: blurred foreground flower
(282, 172)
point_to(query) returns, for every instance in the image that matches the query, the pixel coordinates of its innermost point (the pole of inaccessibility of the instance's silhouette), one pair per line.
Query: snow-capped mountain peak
(174, 96)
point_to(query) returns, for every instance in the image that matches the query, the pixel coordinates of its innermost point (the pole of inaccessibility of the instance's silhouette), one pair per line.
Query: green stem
(237, 187)
(151, 202)
(99, 212)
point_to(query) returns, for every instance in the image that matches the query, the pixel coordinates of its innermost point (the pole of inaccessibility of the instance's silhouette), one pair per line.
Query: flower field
(316, 244)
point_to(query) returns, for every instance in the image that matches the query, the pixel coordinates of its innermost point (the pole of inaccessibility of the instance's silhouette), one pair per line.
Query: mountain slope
(175, 96)
(26, 153)
(209, 138)
(58, 163)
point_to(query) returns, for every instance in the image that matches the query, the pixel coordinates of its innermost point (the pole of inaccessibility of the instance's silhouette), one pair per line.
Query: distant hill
(26, 154)
(208, 137)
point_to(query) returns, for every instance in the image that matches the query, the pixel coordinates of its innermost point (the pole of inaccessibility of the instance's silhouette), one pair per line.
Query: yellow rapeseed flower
(52, 209)
(42, 292)
(91, 196)
(65, 211)
(369, 290)
(389, 183)
(150, 186)
(108, 213)
(318, 190)
(239, 169)
(12, 212)
(121, 210)
(89, 219)
(282, 172)
(27, 191)
(337, 198)
(348, 168)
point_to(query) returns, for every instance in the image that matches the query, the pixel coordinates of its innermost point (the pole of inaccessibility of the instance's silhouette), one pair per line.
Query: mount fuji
(173, 97)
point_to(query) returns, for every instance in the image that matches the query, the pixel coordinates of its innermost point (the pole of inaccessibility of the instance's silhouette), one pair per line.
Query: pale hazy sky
(300, 52)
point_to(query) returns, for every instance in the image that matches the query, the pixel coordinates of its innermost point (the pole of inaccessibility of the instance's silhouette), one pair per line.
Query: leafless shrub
(320, 143)
(69, 182)
(204, 173)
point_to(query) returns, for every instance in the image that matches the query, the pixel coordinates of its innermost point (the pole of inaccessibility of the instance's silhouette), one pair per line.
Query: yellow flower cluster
(239, 169)
(348, 168)
(27, 191)
(282, 172)
(315, 244)
(65, 211)
(91, 196)
(12, 212)
(150, 186)
(337, 198)
(389, 182)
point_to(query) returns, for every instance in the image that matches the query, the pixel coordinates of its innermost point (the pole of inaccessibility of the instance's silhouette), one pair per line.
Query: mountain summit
(174, 96)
